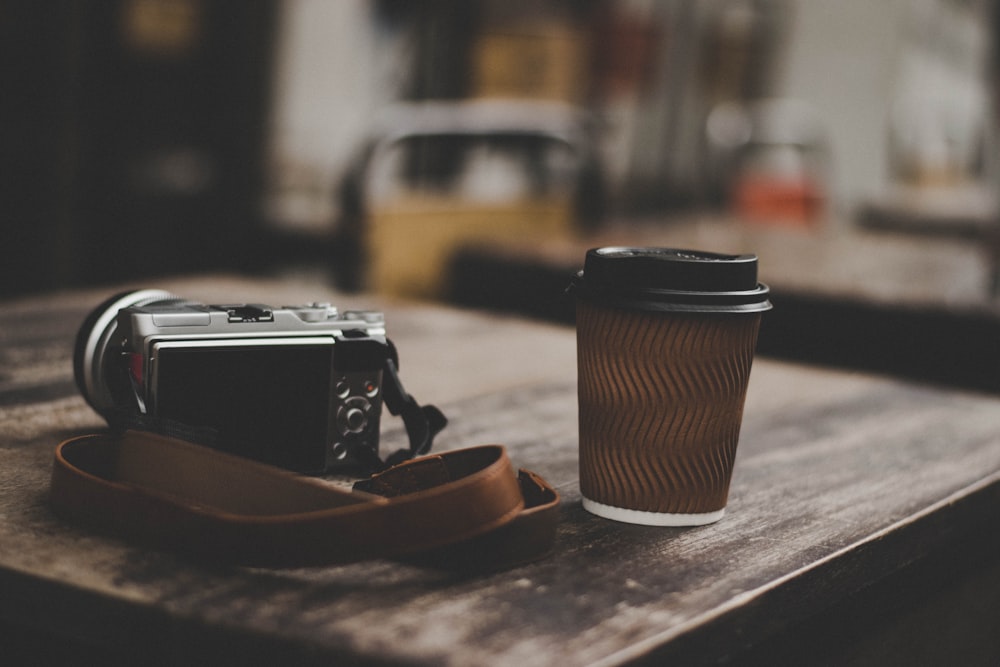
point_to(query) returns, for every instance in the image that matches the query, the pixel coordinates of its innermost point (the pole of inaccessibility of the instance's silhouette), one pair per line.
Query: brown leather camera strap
(462, 509)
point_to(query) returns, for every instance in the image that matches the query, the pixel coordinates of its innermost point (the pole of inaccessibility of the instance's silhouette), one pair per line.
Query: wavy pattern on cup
(661, 403)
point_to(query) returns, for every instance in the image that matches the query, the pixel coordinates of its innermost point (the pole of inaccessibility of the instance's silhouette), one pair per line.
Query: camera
(300, 387)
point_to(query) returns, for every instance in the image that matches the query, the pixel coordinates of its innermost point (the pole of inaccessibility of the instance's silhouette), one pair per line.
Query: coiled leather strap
(464, 509)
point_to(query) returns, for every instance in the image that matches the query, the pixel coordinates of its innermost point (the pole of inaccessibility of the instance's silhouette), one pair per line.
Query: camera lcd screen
(267, 402)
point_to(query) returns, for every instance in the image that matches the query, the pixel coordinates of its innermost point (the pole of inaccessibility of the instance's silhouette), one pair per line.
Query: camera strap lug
(422, 422)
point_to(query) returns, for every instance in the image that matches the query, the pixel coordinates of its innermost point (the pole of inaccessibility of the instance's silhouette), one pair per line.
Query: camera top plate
(141, 325)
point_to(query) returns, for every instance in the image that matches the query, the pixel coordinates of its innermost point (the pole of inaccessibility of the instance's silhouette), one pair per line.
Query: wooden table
(861, 526)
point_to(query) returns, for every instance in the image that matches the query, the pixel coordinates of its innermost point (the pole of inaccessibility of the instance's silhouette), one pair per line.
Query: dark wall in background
(132, 138)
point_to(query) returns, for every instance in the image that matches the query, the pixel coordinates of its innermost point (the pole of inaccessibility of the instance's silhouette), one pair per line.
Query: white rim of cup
(645, 518)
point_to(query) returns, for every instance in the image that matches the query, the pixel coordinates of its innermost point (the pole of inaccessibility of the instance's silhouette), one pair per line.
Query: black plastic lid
(668, 279)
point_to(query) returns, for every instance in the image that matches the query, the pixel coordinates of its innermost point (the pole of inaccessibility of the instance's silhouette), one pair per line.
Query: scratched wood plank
(830, 466)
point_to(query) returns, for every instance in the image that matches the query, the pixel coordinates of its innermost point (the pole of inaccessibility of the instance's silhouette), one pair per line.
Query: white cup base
(650, 518)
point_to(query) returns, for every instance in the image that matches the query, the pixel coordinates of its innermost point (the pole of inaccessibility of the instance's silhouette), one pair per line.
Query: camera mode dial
(315, 312)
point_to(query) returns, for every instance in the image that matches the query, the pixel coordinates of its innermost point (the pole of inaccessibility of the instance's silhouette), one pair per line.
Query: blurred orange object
(789, 200)
(771, 158)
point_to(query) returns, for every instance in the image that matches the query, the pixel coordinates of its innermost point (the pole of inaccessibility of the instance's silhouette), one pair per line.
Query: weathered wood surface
(840, 480)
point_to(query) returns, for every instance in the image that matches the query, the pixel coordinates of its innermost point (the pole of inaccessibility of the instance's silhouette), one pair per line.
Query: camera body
(299, 387)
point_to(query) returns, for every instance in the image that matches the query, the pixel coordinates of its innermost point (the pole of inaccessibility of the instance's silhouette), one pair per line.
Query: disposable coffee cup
(665, 342)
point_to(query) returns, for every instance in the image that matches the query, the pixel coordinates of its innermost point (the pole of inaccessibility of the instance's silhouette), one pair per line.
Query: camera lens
(96, 377)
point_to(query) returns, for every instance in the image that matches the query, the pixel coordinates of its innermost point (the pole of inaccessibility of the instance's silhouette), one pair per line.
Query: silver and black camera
(300, 387)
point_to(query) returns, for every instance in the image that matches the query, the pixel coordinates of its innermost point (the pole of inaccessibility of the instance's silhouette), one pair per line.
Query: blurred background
(470, 152)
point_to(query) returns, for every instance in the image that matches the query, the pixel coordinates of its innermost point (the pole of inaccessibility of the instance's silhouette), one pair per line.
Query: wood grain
(840, 481)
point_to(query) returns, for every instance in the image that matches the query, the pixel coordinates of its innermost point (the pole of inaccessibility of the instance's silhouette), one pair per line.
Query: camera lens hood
(90, 351)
